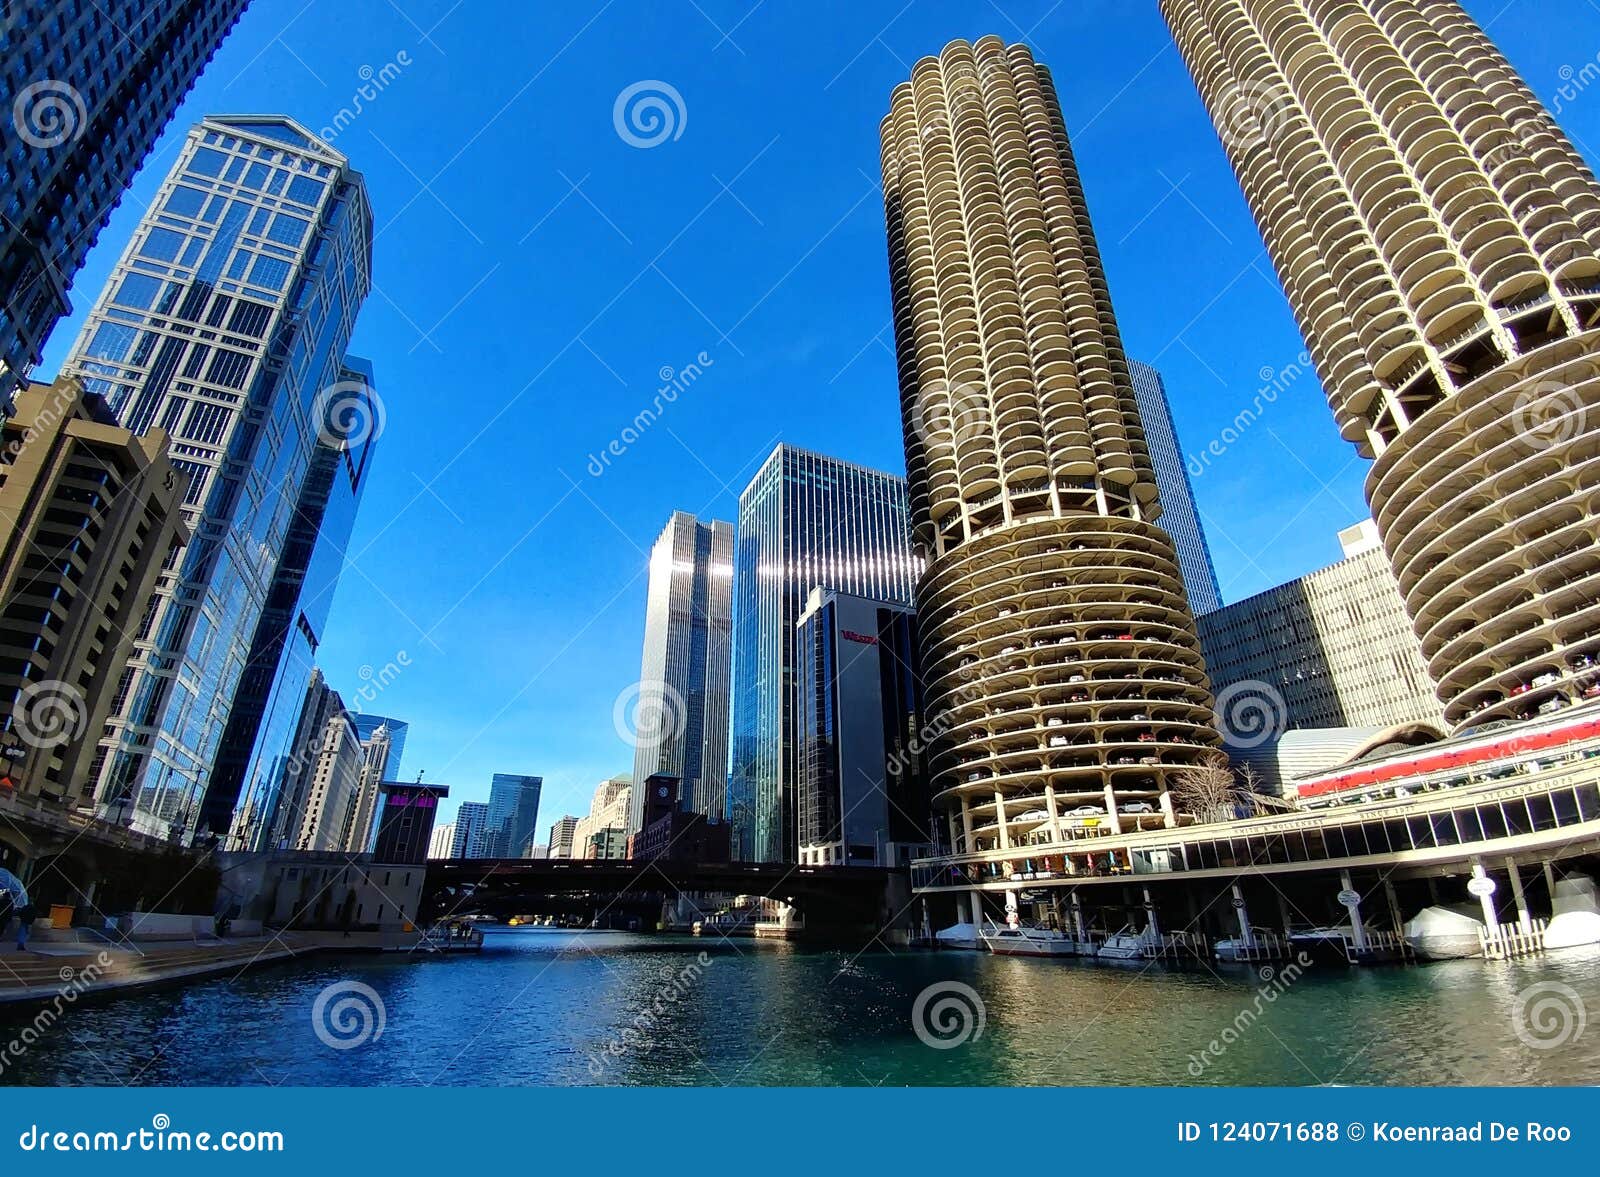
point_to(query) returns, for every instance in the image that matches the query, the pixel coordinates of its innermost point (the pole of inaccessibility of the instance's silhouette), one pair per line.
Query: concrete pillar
(1243, 912)
(1524, 918)
(1050, 808)
(966, 824)
(1055, 910)
(1077, 916)
(1357, 927)
(1394, 908)
(1111, 811)
(977, 909)
(955, 839)
(1150, 914)
(1000, 819)
(1168, 813)
(1549, 882)
(1490, 917)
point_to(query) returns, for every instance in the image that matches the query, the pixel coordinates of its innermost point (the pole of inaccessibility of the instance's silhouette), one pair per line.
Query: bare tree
(1208, 790)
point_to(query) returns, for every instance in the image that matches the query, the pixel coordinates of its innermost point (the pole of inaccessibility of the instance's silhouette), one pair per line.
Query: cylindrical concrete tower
(1060, 660)
(1439, 241)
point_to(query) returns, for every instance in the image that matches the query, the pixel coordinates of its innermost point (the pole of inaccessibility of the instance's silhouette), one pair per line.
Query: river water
(550, 1007)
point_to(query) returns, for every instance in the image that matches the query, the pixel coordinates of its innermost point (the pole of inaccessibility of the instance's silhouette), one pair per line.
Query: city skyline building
(84, 119)
(367, 724)
(1180, 515)
(260, 731)
(681, 714)
(89, 515)
(1331, 649)
(376, 750)
(276, 826)
(471, 837)
(860, 787)
(1060, 663)
(325, 821)
(441, 841)
(561, 834)
(513, 814)
(604, 832)
(226, 322)
(805, 521)
(1438, 238)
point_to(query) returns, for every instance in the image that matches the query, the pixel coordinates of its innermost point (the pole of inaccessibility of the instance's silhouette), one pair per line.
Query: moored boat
(1025, 941)
(1443, 933)
(1125, 945)
(1575, 921)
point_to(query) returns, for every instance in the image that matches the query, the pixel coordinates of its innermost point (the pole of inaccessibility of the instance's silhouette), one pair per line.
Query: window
(270, 272)
(112, 341)
(229, 368)
(287, 230)
(250, 318)
(138, 290)
(206, 423)
(186, 202)
(207, 162)
(305, 190)
(162, 244)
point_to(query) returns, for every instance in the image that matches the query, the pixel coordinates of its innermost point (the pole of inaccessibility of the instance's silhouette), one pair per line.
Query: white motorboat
(958, 936)
(1576, 919)
(1236, 948)
(1323, 944)
(1125, 945)
(1024, 941)
(1444, 933)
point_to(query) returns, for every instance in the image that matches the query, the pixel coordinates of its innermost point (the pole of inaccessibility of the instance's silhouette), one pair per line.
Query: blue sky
(538, 276)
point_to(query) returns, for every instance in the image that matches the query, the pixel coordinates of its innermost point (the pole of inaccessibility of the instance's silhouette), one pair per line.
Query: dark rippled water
(543, 1007)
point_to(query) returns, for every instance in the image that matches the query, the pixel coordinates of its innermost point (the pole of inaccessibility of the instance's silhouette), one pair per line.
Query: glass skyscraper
(805, 521)
(87, 86)
(681, 721)
(513, 814)
(225, 323)
(259, 738)
(1179, 516)
(367, 724)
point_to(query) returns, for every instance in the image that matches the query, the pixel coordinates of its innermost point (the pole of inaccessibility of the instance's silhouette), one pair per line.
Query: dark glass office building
(513, 814)
(86, 87)
(805, 521)
(860, 789)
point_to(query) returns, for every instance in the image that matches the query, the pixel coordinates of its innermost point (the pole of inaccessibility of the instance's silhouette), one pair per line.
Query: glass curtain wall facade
(88, 86)
(368, 724)
(805, 521)
(682, 727)
(513, 814)
(259, 737)
(1179, 515)
(225, 322)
